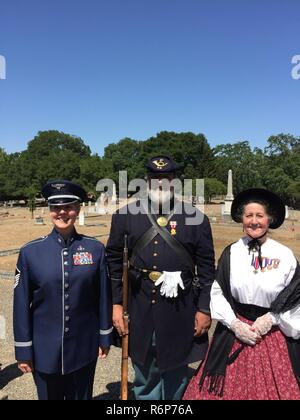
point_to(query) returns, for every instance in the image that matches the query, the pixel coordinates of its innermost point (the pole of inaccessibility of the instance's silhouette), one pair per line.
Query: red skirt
(262, 372)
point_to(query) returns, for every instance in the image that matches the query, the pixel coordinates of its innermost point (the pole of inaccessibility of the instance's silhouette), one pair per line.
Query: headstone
(102, 211)
(102, 198)
(91, 209)
(229, 195)
(114, 195)
(226, 207)
(39, 221)
(286, 212)
(81, 218)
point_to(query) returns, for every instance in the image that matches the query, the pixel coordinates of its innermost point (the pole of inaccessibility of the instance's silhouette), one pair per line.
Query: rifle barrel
(124, 363)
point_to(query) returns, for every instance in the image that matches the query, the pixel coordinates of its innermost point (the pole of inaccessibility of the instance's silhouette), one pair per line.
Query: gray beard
(161, 200)
(160, 197)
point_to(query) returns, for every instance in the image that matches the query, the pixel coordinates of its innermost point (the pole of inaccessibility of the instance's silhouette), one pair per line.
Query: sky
(108, 69)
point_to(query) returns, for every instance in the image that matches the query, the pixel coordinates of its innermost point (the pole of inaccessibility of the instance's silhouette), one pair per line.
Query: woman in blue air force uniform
(62, 302)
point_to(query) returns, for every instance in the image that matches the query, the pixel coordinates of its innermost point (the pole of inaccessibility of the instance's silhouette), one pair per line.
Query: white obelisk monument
(226, 207)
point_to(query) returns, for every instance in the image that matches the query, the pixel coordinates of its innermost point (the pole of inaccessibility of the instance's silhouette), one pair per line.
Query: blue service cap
(62, 192)
(161, 164)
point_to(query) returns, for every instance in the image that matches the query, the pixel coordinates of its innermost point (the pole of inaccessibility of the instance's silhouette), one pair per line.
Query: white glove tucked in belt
(170, 280)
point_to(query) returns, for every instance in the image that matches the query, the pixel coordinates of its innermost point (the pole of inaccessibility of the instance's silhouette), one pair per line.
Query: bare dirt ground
(17, 228)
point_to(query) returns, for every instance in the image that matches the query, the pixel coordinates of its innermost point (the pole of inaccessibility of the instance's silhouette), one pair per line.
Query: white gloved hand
(170, 280)
(243, 332)
(263, 324)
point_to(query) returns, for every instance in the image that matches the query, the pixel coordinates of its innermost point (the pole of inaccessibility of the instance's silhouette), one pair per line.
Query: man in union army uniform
(62, 302)
(170, 276)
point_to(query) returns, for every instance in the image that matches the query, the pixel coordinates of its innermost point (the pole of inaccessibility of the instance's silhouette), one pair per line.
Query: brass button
(155, 254)
(153, 301)
(154, 267)
(153, 291)
(156, 242)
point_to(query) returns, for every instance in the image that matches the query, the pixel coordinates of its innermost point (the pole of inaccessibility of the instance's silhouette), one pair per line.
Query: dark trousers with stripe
(73, 386)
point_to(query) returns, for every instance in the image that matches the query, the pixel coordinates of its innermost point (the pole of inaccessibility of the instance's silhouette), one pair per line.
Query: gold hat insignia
(160, 163)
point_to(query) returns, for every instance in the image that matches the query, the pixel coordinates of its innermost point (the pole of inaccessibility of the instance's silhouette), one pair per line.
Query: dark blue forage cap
(62, 192)
(161, 164)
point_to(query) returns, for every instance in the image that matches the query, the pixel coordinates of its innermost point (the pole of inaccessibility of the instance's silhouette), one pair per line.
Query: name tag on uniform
(83, 258)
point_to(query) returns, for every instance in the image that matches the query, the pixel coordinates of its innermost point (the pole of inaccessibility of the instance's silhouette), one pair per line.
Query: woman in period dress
(255, 350)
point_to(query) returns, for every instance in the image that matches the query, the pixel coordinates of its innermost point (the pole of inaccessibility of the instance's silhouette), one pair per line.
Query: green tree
(11, 179)
(123, 156)
(3, 173)
(50, 155)
(293, 192)
(245, 165)
(92, 169)
(31, 193)
(283, 151)
(213, 186)
(190, 150)
(283, 167)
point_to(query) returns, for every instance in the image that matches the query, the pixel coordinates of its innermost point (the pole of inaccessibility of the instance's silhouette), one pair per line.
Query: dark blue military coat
(62, 303)
(171, 319)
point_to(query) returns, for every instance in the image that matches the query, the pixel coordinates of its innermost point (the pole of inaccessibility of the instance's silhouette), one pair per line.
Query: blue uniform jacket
(62, 303)
(172, 320)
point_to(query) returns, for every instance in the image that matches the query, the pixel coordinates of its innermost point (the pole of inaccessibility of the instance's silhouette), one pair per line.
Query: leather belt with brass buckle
(154, 275)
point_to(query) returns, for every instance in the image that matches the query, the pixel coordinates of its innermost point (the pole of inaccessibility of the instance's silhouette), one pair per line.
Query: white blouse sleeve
(289, 321)
(220, 307)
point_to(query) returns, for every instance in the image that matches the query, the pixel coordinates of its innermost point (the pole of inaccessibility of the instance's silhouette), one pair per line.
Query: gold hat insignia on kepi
(160, 163)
